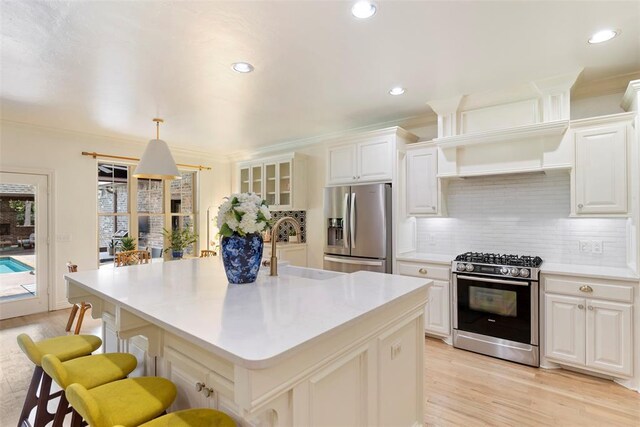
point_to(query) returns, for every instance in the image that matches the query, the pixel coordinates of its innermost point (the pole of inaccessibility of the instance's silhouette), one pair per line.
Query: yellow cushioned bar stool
(64, 348)
(193, 418)
(90, 371)
(129, 402)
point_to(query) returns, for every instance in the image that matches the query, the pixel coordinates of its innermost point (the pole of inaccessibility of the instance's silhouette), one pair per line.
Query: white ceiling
(108, 67)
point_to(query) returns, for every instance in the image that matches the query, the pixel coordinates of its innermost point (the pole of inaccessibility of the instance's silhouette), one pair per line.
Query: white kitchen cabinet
(437, 318)
(342, 164)
(295, 253)
(422, 181)
(367, 161)
(565, 328)
(609, 338)
(281, 181)
(189, 377)
(601, 166)
(588, 324)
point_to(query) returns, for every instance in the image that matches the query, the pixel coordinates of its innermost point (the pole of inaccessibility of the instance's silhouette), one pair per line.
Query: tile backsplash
(526, 214)
(287, 228)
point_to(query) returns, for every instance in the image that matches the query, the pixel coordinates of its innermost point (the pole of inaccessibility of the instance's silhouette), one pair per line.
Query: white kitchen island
(338, 349)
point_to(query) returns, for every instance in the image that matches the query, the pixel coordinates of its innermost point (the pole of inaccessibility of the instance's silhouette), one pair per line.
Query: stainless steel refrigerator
(358, 228)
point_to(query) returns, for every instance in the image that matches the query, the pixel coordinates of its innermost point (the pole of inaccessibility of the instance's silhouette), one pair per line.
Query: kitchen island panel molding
(375, 337)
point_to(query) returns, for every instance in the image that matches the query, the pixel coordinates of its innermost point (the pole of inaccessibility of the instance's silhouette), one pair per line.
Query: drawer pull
(586, 288)
(199, 386)
(580, 206)
(422, 271)
(208, 392)
(580, 306)
(590, 307)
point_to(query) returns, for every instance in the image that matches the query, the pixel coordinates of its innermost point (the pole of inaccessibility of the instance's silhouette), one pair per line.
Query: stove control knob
(513, 271)
(524, 272)
(469, 267)
(504, 270)
(460, 266)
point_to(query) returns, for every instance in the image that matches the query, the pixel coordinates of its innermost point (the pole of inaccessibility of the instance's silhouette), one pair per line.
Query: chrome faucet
(273, 263)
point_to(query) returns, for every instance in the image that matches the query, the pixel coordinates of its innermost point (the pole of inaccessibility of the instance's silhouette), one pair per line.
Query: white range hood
(522, 129)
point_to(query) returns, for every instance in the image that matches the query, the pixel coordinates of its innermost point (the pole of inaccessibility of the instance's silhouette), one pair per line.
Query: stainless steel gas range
(495, 305)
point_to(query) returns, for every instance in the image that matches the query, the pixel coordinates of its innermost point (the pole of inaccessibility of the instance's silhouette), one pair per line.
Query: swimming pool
(12, 265)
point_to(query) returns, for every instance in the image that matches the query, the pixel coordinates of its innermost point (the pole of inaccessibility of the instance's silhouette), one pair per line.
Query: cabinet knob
(580, 206)
(422, 271)
(590, 307)
(354, 177)
(580, 306)
(199, 386)
(208, 392)
(586, 288)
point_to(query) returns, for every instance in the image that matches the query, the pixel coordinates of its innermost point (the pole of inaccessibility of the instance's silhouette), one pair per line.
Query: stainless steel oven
(495, 310)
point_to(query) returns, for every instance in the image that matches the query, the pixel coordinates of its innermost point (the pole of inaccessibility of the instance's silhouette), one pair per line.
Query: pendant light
(156, 161)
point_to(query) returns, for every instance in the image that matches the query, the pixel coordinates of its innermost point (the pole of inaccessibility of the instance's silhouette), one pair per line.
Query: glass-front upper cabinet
(281, 181)
(244, 179)
(256, 180)
(284, 183)
(270, 184)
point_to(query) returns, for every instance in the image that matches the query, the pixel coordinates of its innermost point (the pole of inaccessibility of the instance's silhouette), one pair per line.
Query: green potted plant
(128, 244)
(293, 237)
(179, 239)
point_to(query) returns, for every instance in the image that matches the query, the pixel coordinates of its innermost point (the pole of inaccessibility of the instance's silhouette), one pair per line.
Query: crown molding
(601, 87)
(633, 91)
(138, 142)
(410, 122)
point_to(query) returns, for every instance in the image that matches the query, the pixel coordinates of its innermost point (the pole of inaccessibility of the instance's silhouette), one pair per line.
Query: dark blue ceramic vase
(241, 256)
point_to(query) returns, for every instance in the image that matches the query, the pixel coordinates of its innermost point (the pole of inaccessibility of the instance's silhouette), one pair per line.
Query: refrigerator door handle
(351, 261)
(352, 226)
(345, 210)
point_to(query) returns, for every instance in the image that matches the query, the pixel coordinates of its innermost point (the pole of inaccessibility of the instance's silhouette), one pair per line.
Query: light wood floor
(461, 388)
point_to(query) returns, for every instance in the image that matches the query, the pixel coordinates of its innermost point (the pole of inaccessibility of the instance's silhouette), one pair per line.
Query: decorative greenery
(19, 206)
(293, 233)
(180, 238)
(242, 214)
(128, 244)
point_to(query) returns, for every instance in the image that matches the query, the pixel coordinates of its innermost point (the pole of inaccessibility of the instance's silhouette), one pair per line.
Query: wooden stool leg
(76, 419)
(83, 310)
(43, 417)
(31, 400)
(72, 316)
(63, 410)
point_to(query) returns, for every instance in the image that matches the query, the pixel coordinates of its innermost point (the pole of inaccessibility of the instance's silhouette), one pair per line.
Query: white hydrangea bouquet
(242, 214)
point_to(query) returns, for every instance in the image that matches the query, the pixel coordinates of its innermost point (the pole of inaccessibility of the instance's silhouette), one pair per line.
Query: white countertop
(425, 257)
(589, 271)
(254, 325)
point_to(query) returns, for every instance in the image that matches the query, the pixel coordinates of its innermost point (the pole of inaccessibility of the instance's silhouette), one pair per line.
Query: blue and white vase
(241, 256)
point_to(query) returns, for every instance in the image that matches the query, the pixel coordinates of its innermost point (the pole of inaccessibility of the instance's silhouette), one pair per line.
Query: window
(141, 208)
(113, 208)
(182, 204)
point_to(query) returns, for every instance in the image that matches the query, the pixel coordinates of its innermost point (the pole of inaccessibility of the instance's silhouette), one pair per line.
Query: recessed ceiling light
(363, 9)
(396, 91)
(603, 36)
(242, 67)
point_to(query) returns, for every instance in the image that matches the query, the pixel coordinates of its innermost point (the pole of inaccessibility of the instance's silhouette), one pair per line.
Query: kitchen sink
(307, 273)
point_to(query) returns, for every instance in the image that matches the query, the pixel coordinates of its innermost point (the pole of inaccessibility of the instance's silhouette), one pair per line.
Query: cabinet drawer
(591, 289)
(416, 269)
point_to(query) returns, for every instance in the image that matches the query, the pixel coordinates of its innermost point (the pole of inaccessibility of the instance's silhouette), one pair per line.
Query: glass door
(284, 184)
(270, 184)
(256, 180)
(23, 244)
(244, 180)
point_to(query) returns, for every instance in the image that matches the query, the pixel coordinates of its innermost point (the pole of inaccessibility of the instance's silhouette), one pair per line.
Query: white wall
(524, 214)
(73, 194)
(596, 106)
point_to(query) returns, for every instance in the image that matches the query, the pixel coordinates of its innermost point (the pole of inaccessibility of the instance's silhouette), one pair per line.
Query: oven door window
(499, 310)
(495, 301)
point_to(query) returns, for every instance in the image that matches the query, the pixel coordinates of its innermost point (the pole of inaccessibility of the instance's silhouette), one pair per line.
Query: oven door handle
(486, 279)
